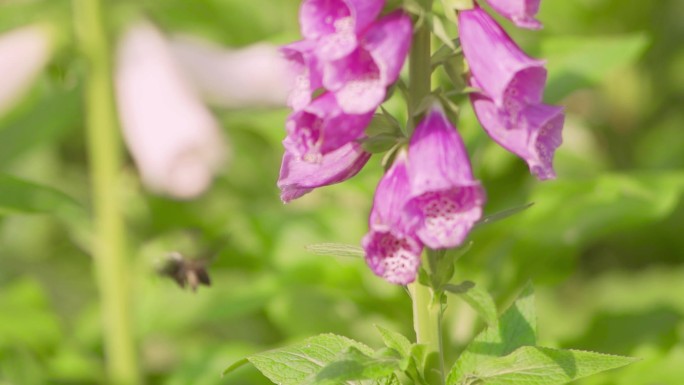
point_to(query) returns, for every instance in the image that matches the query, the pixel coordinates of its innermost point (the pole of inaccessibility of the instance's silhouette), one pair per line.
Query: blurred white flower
(173, 137)
(24, 52)
(255, 76)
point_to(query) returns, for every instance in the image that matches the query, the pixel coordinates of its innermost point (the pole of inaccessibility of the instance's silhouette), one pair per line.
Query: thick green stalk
(420, 69)
(104, 148)
(426, 305)
(427, 317)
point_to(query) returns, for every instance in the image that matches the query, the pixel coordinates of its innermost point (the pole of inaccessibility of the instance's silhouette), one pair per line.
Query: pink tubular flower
(24, 52)
(503, 71)
(392, 248)
(305, 68)
(445, 197)
(535, 137)
(322, 127)
(521, 12)
(173, 138)
(299, 177)
(335, 24)
(360, 79)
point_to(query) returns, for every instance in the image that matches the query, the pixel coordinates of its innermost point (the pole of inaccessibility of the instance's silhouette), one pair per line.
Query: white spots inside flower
(344, 25)
(300, 95)
(395, 258)
(448, 215)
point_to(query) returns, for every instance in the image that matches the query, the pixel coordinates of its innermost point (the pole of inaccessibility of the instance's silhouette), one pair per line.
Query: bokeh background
(603, 243)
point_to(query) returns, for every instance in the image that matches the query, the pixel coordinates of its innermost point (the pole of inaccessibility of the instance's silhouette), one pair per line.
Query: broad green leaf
(478, 298)
(336, 250)
(579, 62)
(396, 341)
(20, 196)
(354, 365)
(295, 364)
(531, 365)
(517, 327)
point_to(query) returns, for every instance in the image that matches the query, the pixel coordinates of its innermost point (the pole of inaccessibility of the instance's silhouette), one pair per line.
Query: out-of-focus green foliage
(603, 243)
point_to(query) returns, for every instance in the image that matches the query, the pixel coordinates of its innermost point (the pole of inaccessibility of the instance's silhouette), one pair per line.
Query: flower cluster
(348, 58)
(511, 85)
(427, 198)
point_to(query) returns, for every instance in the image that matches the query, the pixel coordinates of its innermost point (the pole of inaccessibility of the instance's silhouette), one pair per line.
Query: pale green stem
(104, 148)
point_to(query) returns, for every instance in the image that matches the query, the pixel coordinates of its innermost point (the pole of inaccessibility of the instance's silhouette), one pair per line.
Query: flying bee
(190, 272)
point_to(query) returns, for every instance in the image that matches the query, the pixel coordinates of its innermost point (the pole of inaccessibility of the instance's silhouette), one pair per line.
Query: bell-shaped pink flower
(322, 127)
(173, 138)
(305, 70)
(534, 138)
(521, 12)
(24, 52)
(360, 79)
(445, 198)
(299, 177)
(336, 24)
(392, 249)
(502, 70)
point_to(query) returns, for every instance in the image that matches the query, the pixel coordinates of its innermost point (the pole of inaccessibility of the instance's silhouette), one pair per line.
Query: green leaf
(295, 364)
(354, 365)
(517, 327)
(503, 214)
(20, 196)
(336, 250)
(383, 123)
(579, 62)
(396, 341)
(482, 302)
(461, 288)
(441, 33)
(531, 365)
(380, 143)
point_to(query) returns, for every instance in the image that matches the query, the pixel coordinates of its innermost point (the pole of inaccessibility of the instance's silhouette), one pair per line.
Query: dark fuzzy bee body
(186, 271)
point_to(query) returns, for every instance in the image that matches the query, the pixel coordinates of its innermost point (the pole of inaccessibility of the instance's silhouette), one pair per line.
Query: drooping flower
(173, 138)
(299, 177)
(306, 72)
(24, 52)
(503, 71)
(521, 12)
(445, 198)
(254, 76)
(336, 24)
(322, 127)
(360, 79)
(392, 248)
(534, 138)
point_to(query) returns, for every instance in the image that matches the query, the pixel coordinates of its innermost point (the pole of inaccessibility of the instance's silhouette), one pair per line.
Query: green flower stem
(427, 317)
(104, 148)
(427, 310)
(420, 68)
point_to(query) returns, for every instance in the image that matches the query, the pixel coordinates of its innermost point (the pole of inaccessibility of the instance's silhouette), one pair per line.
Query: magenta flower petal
(298, 177)
(521, 12)
(360, 80)
(305, 68)
(445, 197)
(392, 249)
(322, 127)
(335, 24)
(534, 137)
(502, 70)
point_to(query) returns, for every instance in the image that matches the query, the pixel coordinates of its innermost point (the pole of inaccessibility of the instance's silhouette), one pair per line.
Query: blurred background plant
(602, 242)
